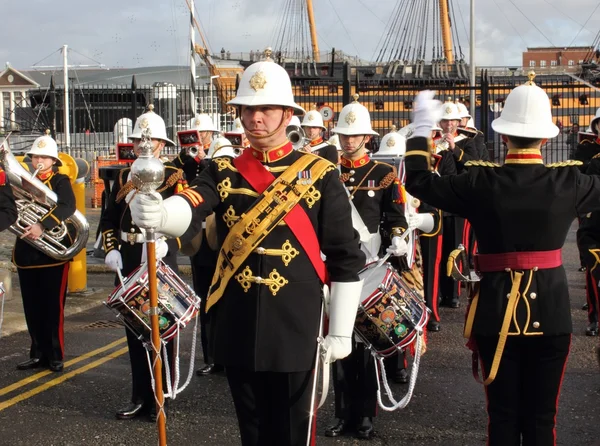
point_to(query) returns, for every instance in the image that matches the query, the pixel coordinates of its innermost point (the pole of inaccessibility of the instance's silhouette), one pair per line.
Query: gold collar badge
(258, 81)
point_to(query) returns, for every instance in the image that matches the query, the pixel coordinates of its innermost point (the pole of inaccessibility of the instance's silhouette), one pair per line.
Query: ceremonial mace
(147, 174)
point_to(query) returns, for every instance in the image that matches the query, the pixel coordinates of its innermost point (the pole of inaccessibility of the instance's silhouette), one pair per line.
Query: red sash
(260, 178)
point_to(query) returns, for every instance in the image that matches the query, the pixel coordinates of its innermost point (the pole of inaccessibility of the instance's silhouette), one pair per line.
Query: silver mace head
(147, 172)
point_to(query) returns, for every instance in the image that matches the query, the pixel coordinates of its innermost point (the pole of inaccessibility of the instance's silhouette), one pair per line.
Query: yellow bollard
(76, 172)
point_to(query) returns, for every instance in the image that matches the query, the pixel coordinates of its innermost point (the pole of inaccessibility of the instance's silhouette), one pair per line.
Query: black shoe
(339, 428)
(592, 329)
(433, 325)
(401, 376)
(32, 363)
(209, 369)
(56, 366)
(582, 269)
(131, 411)
(585, 307)
(364, 429)
(454, 303)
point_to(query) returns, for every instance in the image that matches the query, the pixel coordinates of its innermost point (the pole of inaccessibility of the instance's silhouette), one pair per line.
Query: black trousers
(523, 399)
(592, 280)
(431, 249)
(453, 228)
(272, 408)
(141, 385)
(355, 385)
(44, 292)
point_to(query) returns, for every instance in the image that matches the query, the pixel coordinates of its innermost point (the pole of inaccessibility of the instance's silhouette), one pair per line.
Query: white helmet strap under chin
(360, 146)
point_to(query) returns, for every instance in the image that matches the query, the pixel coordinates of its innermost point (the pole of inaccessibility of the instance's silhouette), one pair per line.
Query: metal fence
(96, 109)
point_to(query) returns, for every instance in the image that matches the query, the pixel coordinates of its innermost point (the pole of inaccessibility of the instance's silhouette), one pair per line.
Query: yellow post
(313, 30)
(446, 34)
(78, 267)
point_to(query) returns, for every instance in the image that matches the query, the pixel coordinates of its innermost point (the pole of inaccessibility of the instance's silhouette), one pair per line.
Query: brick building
(552, 57)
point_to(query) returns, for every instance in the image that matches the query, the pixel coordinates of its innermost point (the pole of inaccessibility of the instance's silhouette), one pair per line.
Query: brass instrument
(34, 200)
(297, 136)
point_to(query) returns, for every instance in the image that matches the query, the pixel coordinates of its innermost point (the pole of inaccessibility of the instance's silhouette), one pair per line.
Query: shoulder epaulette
(586, 141)
(173, 178)
(597, 155)
(566, 163)
(480, 163)
(387, 165)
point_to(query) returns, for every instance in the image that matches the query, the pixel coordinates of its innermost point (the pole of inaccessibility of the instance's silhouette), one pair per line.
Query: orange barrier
(97, 182)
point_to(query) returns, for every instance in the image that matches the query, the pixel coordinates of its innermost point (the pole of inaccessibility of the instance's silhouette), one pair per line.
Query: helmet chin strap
(360, 146)
(597, 127)
(268, 135)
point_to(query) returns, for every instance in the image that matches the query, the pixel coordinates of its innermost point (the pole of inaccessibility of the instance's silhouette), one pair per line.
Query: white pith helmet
(202, 122)
(471, 124)
(354, 120)
(594, 124)
(526, 113)
(154, 122)
(221, 146)
(335, 141)
(450, 111)
(313, 119)
(45, 146)
(295, 121)
(462, 110)
(237, 128)
(392, 144)
(266, 83)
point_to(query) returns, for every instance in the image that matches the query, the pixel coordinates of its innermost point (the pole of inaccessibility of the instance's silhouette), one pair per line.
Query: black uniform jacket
(274, 328)
(588, 234)
(8, 209)
(192, 168)
(585, 151)
(321, 148)
(374, 191)
(516, 207)
(180, 160)
(28, 256)
(116, 219)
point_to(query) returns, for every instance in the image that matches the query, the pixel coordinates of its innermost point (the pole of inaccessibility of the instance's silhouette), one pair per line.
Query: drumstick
(121, 278)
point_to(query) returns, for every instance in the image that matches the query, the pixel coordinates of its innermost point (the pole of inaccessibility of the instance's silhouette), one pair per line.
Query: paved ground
(76, 408)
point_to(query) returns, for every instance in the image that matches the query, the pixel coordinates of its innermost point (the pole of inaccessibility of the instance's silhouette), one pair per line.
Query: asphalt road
(77, 407)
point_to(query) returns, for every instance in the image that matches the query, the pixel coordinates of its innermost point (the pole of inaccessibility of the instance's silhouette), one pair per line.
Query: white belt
(132, 237)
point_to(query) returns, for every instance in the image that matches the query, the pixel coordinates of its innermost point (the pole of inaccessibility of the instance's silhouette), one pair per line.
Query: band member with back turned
(8, 208)
(124, 245)
(43, 279)
(373, 190)
(519, 319)
(314, 127)
(276, 209)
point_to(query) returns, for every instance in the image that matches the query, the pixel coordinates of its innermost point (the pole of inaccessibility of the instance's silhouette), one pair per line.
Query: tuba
(34, 200)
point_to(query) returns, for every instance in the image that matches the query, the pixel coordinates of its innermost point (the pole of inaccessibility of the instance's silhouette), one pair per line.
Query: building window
(552, 63)
(532, 63)
(571, 63)
(542, 63)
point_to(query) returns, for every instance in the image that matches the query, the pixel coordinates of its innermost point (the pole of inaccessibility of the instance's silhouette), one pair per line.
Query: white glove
(171, 217)
(343, 306)
(426, 113)
(399, 247)
(423, 222)
(161, 249)
(114, 260)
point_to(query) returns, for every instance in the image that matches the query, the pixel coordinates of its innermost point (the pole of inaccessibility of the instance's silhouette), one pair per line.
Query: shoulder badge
(480, 163)
(567, 163)
(381, 163)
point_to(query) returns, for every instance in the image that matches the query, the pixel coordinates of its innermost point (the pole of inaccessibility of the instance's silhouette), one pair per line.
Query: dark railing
(95, 109)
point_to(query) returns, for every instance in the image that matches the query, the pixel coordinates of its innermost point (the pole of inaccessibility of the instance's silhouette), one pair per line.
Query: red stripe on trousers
(61, 319)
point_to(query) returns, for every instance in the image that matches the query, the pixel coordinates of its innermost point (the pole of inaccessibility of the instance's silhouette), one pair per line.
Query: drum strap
(513, 298)
(277, 202)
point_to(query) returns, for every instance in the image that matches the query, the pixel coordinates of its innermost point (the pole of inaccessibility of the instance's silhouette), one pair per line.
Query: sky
(135, 33)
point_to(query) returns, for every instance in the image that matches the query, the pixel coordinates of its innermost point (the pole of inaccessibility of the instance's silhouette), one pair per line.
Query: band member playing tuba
(124, 245)
(43, 279)
(276, 209)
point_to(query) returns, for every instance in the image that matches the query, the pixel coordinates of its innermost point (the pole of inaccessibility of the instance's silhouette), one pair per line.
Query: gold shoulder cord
(247, 233)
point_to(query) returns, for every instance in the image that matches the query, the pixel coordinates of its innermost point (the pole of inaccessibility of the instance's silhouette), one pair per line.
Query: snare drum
(177, 302)
(391, 312)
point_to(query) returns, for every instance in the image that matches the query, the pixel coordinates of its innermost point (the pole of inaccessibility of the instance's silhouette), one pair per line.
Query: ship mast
(313, 30)
(446, 34)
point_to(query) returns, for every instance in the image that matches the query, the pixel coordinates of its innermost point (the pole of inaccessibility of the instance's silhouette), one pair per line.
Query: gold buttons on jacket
(536, 325)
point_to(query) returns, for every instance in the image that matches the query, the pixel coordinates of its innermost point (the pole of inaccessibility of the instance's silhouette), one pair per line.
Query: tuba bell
(34, 200)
